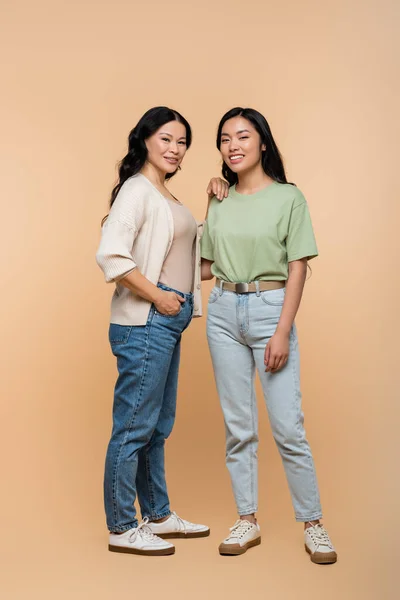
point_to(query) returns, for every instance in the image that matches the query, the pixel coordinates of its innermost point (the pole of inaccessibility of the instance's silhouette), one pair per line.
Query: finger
(226, 189)
(267, 355)
(273, 361)
(279, 365)
(209, 189)
(181, 300)
(221, 190)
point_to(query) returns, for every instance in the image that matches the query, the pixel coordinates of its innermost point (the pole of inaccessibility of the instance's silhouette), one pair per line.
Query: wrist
(283, 330)
(156, 296)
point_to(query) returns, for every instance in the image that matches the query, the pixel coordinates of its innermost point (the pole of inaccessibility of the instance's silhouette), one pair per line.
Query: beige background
(76, 78)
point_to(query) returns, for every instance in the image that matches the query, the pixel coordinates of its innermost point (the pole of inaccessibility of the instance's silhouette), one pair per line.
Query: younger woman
(257, 243)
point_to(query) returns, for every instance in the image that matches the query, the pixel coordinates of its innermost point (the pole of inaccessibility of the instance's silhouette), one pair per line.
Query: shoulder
(137, 186)
(290, 195)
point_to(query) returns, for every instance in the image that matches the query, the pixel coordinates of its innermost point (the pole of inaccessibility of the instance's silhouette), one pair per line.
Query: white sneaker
(175, 527)
(140, 540)
(243, 536)
(319, 545)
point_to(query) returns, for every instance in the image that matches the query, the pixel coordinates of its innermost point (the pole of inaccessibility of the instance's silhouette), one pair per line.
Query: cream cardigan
(138, 232)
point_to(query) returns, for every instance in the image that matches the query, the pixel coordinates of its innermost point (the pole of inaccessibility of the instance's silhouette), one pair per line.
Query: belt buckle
(241, 288)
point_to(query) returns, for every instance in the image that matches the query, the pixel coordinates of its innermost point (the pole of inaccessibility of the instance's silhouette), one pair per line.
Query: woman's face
(240, 145)
(167, 147)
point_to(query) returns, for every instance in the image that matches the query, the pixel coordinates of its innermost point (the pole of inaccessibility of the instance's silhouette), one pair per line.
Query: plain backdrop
(76, 78)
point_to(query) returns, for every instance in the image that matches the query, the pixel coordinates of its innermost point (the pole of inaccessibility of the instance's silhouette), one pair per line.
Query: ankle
(251, 518)
(162, 520)
(311, 523)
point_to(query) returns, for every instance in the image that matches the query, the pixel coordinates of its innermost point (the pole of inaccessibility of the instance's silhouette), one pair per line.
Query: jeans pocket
(119, 334)
(273, 297)
(158, 314)
(214, 295)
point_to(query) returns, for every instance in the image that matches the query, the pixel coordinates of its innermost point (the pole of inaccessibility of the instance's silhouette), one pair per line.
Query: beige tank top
(178, 267)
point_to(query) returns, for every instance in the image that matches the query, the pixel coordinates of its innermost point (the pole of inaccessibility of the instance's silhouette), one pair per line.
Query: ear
(263, 148)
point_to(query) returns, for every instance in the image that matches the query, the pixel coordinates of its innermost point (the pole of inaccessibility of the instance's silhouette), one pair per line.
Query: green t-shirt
(253, 237)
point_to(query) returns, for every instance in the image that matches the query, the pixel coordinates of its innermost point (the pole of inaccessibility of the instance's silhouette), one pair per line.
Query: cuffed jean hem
(314, 517)
(247, 511)
(124, 528)
(166, 513)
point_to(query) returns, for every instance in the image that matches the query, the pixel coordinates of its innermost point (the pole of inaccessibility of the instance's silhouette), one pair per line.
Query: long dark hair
(152, 120)
(271, 159)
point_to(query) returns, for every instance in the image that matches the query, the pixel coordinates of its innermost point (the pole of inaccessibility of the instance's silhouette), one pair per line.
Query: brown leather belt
(246, 288)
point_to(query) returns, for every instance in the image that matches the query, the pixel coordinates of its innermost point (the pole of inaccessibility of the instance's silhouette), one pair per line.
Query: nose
(233, 144)
(174, 148)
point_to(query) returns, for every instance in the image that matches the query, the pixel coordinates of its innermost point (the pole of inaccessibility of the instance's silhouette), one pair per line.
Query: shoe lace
(183, 524)
(240, 528)
(143, 530)
(319, 535)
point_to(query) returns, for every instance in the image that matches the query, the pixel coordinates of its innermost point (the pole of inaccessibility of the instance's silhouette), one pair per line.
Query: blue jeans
(238, 328)
(143, 415)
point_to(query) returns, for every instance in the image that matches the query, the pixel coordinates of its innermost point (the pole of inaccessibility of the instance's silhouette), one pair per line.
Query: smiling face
(167, 147)
(241, 146)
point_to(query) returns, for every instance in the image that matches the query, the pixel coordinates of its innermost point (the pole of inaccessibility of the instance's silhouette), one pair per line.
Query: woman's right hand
(168, 303)
(217, 188)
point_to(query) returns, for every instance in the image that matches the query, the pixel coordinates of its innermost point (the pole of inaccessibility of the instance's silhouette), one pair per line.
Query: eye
(225, 140)
(164, 139)
(244, 137)
(182, 143)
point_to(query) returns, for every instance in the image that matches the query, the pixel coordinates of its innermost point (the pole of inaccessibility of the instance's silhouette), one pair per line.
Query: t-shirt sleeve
(206, 245)
(300, 242)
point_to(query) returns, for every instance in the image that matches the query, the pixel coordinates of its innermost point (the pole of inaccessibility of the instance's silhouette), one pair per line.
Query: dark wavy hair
(271, 159)
(151, 121)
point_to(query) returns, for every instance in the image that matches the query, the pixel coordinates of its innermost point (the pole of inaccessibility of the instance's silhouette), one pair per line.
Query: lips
(236, 158)
(171, 160)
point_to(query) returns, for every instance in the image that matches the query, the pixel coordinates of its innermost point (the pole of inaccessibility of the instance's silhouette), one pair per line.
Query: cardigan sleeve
(127, 214)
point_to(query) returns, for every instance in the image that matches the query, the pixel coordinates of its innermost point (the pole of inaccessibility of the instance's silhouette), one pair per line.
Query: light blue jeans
(238, 328)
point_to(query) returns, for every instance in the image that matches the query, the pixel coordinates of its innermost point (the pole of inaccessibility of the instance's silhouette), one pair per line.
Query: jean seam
(115, 481)
(125, 527)
(148, 480)
(166, 513)
(300, 424)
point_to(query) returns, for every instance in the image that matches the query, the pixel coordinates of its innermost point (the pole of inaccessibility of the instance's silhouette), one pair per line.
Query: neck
(153, 174)
(253, 180)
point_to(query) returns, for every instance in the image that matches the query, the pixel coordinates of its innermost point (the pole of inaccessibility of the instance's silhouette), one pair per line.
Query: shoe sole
(321, 558)
(124, 550)
(181, 534)
(235, 549)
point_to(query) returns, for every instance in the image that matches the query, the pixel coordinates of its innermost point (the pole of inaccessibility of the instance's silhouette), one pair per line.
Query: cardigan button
(198, 286)
(196, 307)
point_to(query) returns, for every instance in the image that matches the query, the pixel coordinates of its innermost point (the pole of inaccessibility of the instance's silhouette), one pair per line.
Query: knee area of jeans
(289, 437)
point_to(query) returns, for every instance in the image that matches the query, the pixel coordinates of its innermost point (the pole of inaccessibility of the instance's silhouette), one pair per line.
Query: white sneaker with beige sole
(319, 545)
(140, 540)
(176, 527)
(243, 535)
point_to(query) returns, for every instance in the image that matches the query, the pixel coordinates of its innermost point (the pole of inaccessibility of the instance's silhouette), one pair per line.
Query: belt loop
(257, 288)
(221, 286)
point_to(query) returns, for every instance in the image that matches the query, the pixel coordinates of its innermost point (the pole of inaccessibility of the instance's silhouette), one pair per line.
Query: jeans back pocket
(119, 334)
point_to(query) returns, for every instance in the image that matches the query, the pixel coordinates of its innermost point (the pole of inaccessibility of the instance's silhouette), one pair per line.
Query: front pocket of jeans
(214, 295)
(119, 334)
(271, 298)
(158, 314)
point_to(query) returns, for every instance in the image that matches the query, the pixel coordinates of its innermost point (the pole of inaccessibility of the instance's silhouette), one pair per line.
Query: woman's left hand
(218, 188)
(276, 352)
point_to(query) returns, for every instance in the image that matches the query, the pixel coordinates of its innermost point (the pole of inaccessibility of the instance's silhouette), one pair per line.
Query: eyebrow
(238, 132)
(183, 137)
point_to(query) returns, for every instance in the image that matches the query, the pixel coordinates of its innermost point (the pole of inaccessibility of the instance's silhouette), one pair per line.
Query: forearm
(141, 286)
(206, 269)
(294, 292)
